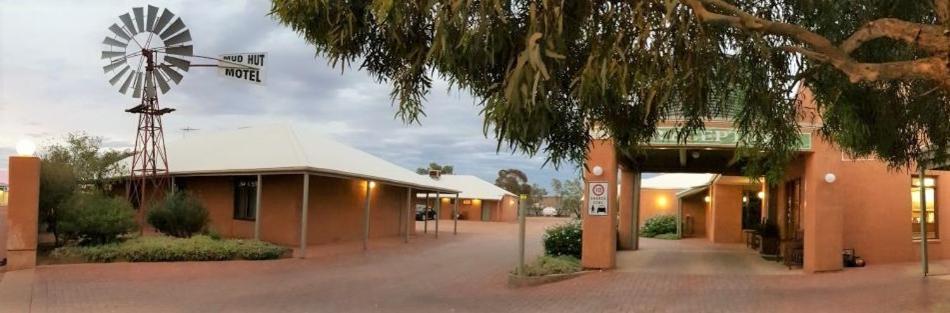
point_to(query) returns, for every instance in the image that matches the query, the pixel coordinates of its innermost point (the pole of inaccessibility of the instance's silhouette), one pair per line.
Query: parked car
(428, 215)
(549, 211)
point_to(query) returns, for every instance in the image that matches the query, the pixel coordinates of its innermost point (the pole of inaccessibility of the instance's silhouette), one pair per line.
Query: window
(930, 188)
(245, 198)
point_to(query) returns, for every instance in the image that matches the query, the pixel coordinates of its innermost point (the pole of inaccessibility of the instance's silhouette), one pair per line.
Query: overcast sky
(52, 83)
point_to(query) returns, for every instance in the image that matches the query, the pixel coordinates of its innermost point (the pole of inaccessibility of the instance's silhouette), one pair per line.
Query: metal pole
(425, 216)
(257, 209)
(410, 221)
(366, 216)
(303, 215)
(923, 222)
(521, 230)
(438, 212)
(679, 217)
(455, 216)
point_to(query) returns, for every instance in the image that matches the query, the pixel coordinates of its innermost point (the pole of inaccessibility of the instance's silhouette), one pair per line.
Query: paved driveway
(465, 273)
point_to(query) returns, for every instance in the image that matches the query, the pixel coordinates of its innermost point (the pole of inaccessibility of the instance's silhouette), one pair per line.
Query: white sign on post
(247, 67)
(597, 199)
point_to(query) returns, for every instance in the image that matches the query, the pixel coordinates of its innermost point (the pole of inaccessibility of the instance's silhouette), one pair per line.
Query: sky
(52, 83)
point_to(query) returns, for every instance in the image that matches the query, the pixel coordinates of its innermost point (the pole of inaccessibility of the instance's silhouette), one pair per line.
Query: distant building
(4, 194)
(480, 200)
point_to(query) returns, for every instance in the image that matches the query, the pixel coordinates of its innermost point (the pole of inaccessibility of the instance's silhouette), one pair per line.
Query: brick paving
(467, 273)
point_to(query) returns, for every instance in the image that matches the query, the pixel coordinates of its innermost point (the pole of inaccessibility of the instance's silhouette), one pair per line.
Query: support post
(635, 215)
(425, 216)
(438, 213)
(599, 236)
(303, 215)
(369, 186)
(924, 266)
(257, 208)
(521, 231)
(23, 212)
(410, 221)
(455, 216)
(626, 219)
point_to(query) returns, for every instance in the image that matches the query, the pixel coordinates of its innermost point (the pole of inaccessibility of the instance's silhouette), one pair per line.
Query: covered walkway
(697, 256)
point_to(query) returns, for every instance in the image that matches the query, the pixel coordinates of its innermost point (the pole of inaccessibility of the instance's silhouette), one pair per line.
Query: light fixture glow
(597, 170)
(761, 194)
(25, 147)
(707, 199)
(661, 201)
(372, 184)
(830, 178)
(745, 199)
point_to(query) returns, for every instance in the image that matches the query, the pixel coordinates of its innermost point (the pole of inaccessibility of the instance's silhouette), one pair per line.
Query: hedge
(166, 249)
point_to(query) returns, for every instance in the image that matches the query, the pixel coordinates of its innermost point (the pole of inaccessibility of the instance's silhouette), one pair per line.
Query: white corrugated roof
(471, 187)
(283, 148)
(676, 181)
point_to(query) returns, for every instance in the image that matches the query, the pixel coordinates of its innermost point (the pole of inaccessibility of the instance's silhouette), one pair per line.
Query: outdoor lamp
(830, 178)
(761, 194)
(372, 184)
(597, 170)
(707, 199)
(25, 147)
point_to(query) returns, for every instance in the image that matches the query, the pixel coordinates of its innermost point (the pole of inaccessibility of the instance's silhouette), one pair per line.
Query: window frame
(916, 183)
(250, 212)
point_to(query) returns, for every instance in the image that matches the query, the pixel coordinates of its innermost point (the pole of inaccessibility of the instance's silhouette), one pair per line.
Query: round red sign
(598, 190)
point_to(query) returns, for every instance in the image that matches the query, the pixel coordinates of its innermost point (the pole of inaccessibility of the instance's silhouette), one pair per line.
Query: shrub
(668, 236)
(660, 224)
(165, 249)
(563, 239)
(95, 218)
(180, 214)
(550, 265)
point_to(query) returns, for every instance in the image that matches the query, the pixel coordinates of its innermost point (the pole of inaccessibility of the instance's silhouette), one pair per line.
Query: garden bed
(546, 269)
(170, 249)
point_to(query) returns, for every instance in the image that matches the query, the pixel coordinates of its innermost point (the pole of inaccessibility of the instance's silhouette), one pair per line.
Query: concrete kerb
(518, 281)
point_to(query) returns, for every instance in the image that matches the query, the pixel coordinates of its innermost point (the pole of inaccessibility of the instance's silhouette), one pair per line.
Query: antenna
(145, 51)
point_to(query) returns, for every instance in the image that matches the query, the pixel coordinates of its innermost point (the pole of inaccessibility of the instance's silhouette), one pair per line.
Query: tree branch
(924, 36)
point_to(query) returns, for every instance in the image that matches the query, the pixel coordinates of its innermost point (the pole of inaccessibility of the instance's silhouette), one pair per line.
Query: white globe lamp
(597, 170)
(830, 178)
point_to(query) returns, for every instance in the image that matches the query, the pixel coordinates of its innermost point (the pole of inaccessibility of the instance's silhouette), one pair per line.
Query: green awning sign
(711, 137)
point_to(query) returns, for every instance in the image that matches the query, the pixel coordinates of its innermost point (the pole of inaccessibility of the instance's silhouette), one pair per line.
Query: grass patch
(170, 249)
(549, 265)
(670, 236)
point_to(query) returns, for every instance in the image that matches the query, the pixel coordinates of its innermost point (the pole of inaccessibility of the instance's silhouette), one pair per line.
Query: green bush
(166, 249)
(660, 224)
(180, 214)
(563, 239)
(668, 236)
(94, 218)
(550, 265)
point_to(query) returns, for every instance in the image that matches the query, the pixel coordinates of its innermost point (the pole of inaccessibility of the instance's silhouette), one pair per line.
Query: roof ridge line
(298, 146)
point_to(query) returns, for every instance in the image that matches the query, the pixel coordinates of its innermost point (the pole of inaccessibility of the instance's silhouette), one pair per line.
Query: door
(486, 212)
(793, 210)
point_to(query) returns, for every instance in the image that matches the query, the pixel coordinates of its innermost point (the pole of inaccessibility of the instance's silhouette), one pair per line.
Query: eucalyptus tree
(548, 71)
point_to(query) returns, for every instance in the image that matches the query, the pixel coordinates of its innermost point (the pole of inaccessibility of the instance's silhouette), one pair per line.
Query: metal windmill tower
(145, 50)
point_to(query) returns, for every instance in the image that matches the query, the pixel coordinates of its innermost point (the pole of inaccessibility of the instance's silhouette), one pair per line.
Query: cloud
(51, 87)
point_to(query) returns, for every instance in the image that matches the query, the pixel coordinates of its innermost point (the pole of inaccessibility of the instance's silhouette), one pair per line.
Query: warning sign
(597, 199)
(246, 67)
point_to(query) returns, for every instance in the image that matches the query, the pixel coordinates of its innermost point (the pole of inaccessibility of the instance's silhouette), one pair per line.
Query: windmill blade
(139, 21)
(112, 54)
(119, 32)
(162, 83)
(180, 50)
(162, 21)
(115, 79)
(137, 93)
(125, 86)
(174, 75)
(149, 84)
(127, 21)
(113, 65)
(150, 21)
(179, 63)
(115, 43)
(175, 27)
(184, 37)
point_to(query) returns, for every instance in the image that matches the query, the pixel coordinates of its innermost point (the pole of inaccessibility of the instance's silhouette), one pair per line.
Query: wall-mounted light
(830, 178)
(745, 199)
(597, 170)
(695, 154)
(761, 194)
(661, 201)
(707, 199)
(25, 147)
(372, 184)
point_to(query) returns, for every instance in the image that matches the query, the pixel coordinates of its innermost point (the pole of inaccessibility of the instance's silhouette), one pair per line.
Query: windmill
(146, 52)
